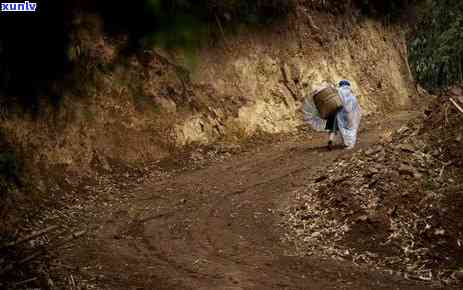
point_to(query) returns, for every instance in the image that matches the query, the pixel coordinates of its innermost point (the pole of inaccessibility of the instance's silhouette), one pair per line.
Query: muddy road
(218, 227)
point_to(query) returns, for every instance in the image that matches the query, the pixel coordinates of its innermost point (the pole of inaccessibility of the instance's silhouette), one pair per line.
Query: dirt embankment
(143, 108)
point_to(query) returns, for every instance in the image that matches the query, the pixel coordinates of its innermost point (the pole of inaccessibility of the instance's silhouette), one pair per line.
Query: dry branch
(25, 281)
(312, 23)
(29, 237)
(42, 251)
(456, 105)
(443, 168)
(219, 24)
(68, 239)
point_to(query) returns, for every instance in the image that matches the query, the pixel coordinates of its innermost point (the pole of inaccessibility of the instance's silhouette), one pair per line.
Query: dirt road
(218, 227)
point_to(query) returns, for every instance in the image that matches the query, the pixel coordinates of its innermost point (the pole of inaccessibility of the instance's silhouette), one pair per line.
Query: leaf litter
(395, 206)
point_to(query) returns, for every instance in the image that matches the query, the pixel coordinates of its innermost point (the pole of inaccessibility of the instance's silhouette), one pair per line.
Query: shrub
(436, 48)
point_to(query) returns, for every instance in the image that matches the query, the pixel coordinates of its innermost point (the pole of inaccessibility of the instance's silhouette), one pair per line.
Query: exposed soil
(395, 206)
(214, 226)
(223, 216)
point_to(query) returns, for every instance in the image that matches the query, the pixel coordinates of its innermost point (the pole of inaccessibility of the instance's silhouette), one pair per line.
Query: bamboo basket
(327, 101)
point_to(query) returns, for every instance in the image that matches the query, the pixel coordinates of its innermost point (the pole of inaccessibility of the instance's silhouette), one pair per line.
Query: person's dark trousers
(332, 123)
(332, 127)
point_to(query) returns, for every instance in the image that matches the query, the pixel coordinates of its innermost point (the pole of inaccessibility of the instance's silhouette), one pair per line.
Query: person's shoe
(330, 145)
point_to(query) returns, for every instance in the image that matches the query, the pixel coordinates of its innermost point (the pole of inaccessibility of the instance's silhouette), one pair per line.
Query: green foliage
(252, 12)
(392, 10)
(185, 23)
(178, 24)
(436, 50)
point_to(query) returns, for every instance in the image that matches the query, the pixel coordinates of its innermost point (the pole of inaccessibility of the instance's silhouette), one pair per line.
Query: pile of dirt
(395, 206)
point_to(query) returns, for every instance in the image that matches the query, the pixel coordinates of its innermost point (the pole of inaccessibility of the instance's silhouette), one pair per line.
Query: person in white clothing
(345, 121)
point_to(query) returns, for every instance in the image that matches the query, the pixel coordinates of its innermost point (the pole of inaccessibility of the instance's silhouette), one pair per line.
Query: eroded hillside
(142, 108)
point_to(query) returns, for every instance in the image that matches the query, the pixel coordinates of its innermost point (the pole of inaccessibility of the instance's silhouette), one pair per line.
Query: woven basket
(327, 101)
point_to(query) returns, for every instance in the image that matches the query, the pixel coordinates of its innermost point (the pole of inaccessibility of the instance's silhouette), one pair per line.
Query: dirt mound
(395, 206)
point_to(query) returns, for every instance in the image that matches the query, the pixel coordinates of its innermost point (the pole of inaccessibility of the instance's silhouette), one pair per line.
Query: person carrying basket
(334, 110)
